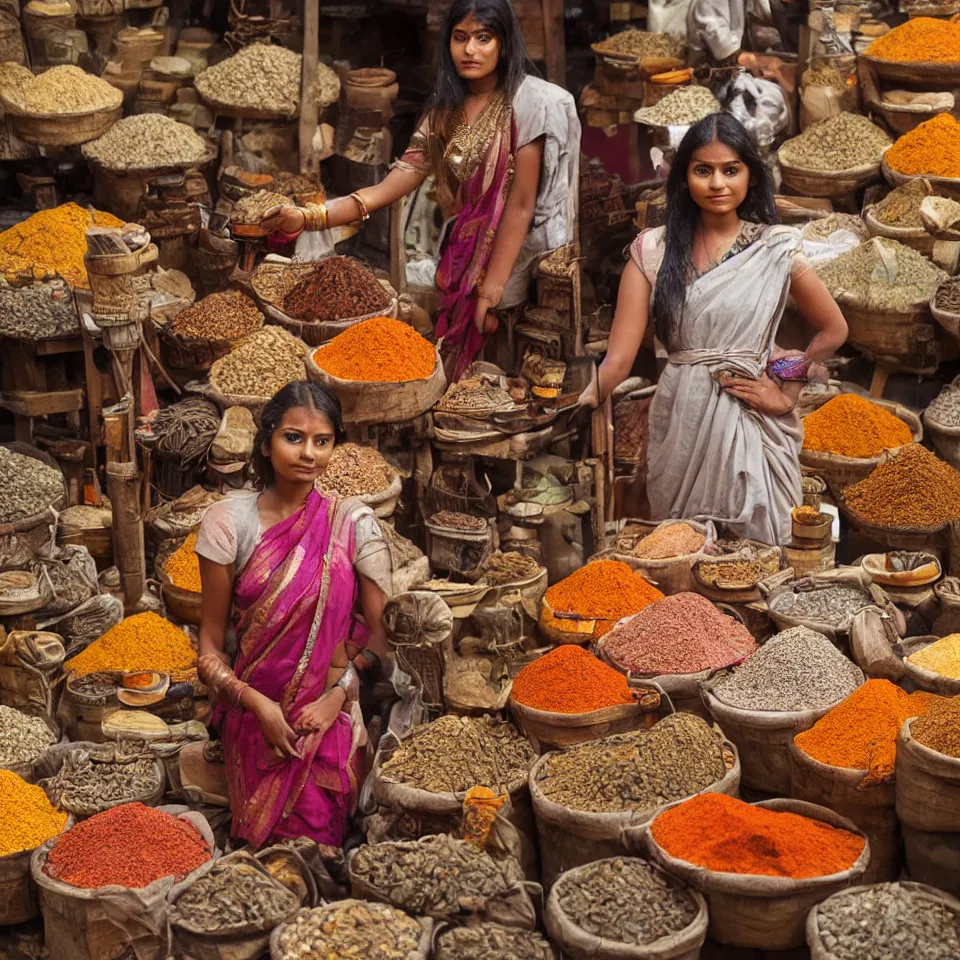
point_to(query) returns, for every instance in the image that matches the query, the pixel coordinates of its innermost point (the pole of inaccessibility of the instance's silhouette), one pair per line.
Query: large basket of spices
(87, 778)
(844, 436)
(119, 863)
(62, 107)
(25, 739)
(230, 912)
(664, 553)
(587, 796)
(730, 570)
(897, 216)
(253, 371)
(419, 625)
(678, 642)
(260, 82)
(885, 919)
(568, 696)
(884, 290)
(621, 58)
(826, 603)
(459, 543)
(846, 761)
(625, 908)
(359, 927)
(31, 492)
(908, 502)
(587, 604)
(443, 878)
(87, 526)
(793, 680)
(209, 329)
(382, 370)
(945, 306)
(424, 776)
(761, 867)
(929, 151)
(482, 941)
(923, 51)
(29, 819)
(318, 301)
(178, 570)
(361, 472)
(833, 157)
(942, 419)
(932, 664)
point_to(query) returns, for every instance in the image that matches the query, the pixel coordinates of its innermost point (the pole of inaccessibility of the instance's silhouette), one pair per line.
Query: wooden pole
(308, 99)
(554, 41)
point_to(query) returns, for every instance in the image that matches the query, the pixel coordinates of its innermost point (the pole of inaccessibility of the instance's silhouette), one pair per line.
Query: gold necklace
(468, 145)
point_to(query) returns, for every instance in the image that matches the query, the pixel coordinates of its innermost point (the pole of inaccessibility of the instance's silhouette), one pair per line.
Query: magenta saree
(294, 604)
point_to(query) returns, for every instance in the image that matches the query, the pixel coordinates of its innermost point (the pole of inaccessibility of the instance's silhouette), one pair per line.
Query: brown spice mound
(339, 289)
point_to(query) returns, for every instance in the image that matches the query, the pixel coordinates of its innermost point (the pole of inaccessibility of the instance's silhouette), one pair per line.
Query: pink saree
(294, 604)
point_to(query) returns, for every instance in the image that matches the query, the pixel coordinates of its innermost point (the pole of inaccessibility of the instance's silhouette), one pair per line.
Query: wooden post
(554, 42)
(308, 99)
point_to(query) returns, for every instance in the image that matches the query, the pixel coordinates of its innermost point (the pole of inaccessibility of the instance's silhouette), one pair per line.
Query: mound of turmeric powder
(851, 426)
(932, 149)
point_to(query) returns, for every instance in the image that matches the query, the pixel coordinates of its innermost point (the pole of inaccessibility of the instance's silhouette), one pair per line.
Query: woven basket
(945, 439)
(929, 75)
(942, 186)
(817, 183)
(915, 237)
(62, 129)
(949, 321)
(182, 605)
(904, 117)
(905, 342)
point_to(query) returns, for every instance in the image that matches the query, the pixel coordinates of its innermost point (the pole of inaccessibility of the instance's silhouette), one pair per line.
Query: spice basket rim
(11, 107)
(209, 155)
(888, 231)
(928, 69)
(905, 735)
(896, 178)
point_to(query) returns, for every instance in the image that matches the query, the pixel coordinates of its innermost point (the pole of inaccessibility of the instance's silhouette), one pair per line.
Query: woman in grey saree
(724, 438)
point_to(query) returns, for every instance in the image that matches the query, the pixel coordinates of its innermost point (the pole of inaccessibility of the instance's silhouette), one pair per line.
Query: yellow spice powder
(941, 657)
(183, 566)
(27, 818)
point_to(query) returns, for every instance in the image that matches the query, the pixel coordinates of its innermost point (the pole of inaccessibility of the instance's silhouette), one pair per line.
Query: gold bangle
(364, 213)
(315, 216)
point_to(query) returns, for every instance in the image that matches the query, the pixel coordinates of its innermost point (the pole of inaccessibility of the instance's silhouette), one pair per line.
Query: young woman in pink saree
(503, 148)
(288, 568)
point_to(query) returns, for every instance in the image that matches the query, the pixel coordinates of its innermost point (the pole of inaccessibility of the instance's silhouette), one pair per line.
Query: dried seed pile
(289, 184)
(912, 489)
(684, 106)
(500, 568)
(637, 43)
(259, 366)
(339, 289)
(327, 85)
(355, 471)
(842, 142)
(228, 315)
(882, 275)
(939, 729)
(625, 901)
(233, 895)
(262, 76)
(833, 604)
(474, 395)
(798, 669)
(901, 207)
(825, 226)
(942, 656)
(144, 141)
(684, 633)
(23, 739)
(251, 209)
(377, 350)
(640, 770)
(458, 521)
(738, 563)
(350, 928)
(455, 753)
(488, 940)
(945, 407)
(948, 296)
(64, 89)
(673, 540)
(27, 486)
(86, 784)
(27, 818)
(37, 311)
(434, 877)
(888, 920)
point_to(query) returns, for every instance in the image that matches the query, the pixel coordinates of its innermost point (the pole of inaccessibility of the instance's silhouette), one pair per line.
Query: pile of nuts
(639, 44)
(228, 315)
(64, 89)
(684, 106)
(37, 311)
(251, 209)
(23, 739)
(841, 142)
(262, 77)
(266, 361)
(146, 141)
(355, 471)
(27, 486)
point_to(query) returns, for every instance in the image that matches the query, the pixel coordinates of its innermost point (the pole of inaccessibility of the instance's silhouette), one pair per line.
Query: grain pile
(913, 489)
(378, 350)
(340, 288)
(511, 567)
(637, 43)
(252, 209)
(259, 366)
(261, 77)
(673, 540)
(939, 728)
(227, 315)
(945, 408)
(798, 669)
(842, 142)
(942, 657)
(920, 39)
(625, 901)
(326, 87)
(820, 230)
(833, 604)
(37, 311)
(453, 520)
(684, 106)
(932, 149)
(852, 426)
(146, 141)
(27, 486)
(355, 471)
(882, 275)
(888, 920)
(636, 771)
(27, 816)
(901, 207)
(455, 753)
(23, 739)
(63, 89)
(684, 633)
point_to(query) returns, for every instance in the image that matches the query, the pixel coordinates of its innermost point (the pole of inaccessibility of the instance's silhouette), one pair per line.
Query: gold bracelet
(364, 213)
(315, 217)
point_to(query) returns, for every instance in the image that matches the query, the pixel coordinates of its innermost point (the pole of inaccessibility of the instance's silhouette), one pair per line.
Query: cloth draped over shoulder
(294, 601)
(710, 457)
(474, 167)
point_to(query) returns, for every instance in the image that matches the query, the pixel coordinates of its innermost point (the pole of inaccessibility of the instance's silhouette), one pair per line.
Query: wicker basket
(816, 183)
(904, 342)
(904, 117)
(928, 75)
(942, 186)
(945, 439)
(915, 237)
(182, 605)
(62, 129)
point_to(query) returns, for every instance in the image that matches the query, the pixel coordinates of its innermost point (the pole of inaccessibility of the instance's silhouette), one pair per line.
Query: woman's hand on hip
(286, 219)
(762, 395)
(321, 715)
(277, 731)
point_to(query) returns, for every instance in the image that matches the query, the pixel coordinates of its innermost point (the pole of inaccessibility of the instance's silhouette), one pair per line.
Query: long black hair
(299, 393)
(514, 64)
(683, 214)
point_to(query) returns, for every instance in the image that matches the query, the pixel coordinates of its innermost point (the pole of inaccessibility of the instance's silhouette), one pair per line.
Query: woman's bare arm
(216, 602)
